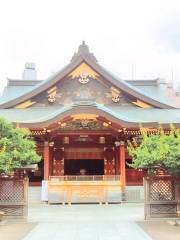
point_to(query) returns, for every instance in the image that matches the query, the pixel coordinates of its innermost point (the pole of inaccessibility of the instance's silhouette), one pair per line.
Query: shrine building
(83, 115)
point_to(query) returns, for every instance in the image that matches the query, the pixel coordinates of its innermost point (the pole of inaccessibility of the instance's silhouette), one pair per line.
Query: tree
(17, 149)
(160, 150)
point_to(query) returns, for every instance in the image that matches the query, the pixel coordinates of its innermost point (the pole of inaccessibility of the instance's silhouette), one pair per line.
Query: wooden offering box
(84, 189)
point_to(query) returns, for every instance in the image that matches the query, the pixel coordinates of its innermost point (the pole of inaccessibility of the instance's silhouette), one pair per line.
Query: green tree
(17, 149)
(160, 150)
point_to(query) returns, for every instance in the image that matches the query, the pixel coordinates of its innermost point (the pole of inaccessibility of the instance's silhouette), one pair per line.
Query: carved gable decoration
(115, 94)
(77, 89)
(83, 124)
(83, 72)
(52, 94)
(82, 84)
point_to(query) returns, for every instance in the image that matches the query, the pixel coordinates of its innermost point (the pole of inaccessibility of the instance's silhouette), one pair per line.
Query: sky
(135, 39)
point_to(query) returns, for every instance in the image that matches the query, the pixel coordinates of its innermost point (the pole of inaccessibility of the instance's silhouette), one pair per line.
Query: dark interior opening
(92, 166)
(37, 175)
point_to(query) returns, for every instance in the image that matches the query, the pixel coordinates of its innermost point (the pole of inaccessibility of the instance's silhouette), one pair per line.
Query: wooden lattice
(162, 190)
(13, 197)
(11, 191)
(163, 209)
(14, 210)
(162, 195)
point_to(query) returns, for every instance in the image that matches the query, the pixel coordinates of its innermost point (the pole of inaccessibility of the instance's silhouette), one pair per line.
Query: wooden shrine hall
(82, 117)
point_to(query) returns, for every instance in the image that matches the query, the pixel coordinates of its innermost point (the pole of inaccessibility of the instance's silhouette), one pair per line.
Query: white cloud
(120, 33)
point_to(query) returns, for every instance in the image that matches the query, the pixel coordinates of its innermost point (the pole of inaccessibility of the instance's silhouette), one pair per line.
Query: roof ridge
(83, 51)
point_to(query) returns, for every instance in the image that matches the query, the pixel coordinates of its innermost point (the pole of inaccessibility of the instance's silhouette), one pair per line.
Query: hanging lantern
(102, 140)
(66, 140)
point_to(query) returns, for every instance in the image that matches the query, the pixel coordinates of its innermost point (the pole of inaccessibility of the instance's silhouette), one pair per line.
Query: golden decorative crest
(51, 98)
(115, 95)
(52, 95)
(84, 77)
(115, 98)
(82, 69)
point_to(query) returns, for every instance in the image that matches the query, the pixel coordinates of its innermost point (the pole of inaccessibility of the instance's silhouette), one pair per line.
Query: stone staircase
(34, 194)
(134, 193)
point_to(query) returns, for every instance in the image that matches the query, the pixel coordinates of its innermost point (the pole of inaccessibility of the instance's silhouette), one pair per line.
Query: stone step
(34, 194)
(134, 194)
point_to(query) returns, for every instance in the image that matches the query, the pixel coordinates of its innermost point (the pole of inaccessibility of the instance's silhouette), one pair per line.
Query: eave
(117, 117)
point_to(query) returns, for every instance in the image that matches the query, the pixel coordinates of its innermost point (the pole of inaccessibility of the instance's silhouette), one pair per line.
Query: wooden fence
(162, 197)
(14, 197)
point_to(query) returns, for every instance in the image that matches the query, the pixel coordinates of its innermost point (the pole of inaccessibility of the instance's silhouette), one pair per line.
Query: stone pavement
(104, 230)
(86, 222)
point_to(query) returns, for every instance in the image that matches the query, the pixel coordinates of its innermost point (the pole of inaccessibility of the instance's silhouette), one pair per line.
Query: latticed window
(13, 197)
(162, 190)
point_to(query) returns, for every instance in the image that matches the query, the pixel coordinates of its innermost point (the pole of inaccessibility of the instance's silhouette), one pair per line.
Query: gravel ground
(160, 230)
(15, 231)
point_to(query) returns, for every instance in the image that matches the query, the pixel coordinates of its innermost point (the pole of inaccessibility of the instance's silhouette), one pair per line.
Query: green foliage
(157, 151)
(17, 149)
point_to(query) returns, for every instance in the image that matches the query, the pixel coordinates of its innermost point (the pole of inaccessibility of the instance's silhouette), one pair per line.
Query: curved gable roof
(84, 55)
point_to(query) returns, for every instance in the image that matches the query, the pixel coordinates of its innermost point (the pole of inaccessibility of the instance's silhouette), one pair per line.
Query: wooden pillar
(51, 153)
(46, 160)
(122, 165)
(117, 161)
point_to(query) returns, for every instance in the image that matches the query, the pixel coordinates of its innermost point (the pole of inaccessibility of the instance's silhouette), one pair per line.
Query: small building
(82, 116)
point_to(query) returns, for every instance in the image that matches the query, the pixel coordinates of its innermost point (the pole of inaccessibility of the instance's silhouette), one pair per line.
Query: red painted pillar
(122, 165)
(117, 161)
(46, 160)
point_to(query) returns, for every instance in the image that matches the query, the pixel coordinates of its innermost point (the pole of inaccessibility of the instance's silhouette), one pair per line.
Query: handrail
(85, 178)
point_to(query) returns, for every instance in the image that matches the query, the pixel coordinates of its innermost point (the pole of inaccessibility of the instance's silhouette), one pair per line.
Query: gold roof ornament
(84, 78)
(142, 104)
(84, 116)
(105, 124)
(25, 104)
(52, 94)
(115, 94)
(83, 70)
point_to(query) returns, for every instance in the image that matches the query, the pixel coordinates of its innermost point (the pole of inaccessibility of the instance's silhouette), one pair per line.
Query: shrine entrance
(84, 167)
(85, 161)
(89, 147)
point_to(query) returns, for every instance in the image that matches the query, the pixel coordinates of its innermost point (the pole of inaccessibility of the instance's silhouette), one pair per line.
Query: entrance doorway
(91, 166)
(35, 177)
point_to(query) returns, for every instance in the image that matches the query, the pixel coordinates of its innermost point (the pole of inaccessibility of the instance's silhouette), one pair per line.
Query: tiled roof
(13, 96)
(130, 116)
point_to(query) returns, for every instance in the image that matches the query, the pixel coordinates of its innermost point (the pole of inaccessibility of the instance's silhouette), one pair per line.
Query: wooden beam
(25, 104)
(91, 132)
(142, 104)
